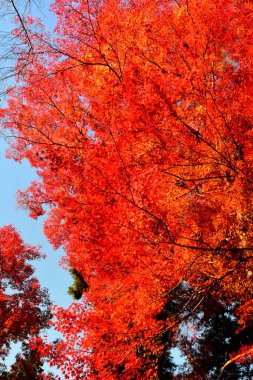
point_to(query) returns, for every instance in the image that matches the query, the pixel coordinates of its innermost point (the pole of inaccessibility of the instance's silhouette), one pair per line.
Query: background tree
(25, 305)
(206, 338)
(28, 365)
(79, 286)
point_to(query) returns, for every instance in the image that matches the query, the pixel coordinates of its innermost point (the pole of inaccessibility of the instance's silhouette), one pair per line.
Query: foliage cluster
(137, 117)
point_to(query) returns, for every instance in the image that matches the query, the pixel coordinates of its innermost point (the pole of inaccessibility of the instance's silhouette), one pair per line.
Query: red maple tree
(25, 305)
(138, 119)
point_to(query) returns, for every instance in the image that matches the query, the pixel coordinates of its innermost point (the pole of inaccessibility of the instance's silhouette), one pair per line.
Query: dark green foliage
(206, 338)
(215, 338)
(79, 285)
(166, 366)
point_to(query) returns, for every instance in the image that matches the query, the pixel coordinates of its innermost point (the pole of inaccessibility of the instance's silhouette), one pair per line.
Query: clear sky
(16, 176)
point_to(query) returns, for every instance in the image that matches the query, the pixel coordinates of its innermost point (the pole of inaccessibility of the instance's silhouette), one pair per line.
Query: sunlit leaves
(138, 119)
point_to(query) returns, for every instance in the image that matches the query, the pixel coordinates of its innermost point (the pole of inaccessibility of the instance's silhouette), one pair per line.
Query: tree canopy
(137, 117)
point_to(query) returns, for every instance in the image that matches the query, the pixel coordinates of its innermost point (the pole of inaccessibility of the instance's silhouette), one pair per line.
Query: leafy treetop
(137, 116)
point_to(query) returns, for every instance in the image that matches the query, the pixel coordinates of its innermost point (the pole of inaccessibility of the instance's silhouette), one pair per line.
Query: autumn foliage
(137, 116)
(25, 305)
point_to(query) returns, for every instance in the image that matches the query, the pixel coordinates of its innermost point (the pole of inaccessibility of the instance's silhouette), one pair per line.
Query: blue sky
(16, 176)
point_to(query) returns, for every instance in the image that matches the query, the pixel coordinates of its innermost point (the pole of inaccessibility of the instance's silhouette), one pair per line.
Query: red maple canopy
(137, 116)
